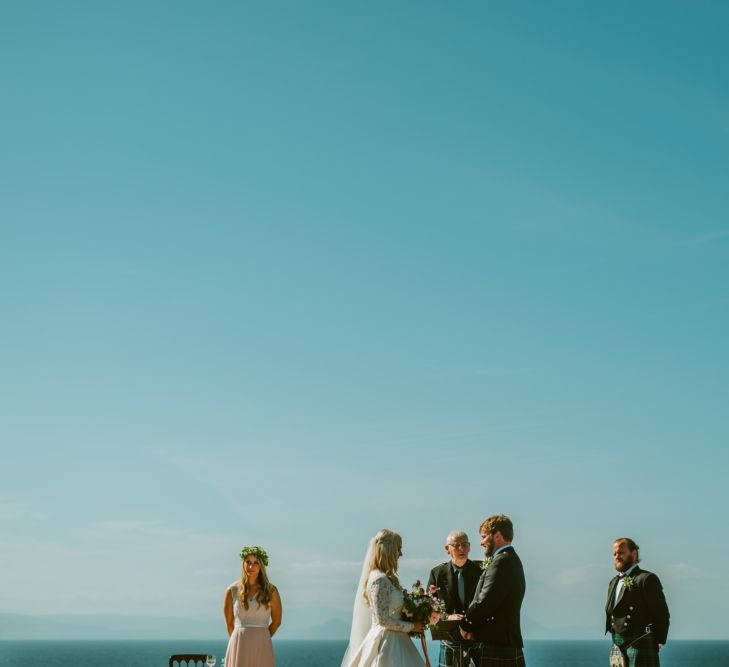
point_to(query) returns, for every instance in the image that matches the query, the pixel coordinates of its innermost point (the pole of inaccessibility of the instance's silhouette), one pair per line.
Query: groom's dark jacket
(444, 578)
(641, 605)
(494, 613)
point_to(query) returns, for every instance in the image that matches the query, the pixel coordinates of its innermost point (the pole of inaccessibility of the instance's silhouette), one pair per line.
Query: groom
(493, 617)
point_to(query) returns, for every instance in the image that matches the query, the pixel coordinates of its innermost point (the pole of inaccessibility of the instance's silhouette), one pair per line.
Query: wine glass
(210, 661)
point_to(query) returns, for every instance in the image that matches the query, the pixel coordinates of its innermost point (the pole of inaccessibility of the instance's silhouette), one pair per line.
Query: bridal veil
(361, 615)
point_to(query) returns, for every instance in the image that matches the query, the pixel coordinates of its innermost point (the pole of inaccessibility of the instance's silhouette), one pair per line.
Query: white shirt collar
(629, 570)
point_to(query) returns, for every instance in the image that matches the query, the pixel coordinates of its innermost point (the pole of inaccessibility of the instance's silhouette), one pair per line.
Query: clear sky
(287, 273)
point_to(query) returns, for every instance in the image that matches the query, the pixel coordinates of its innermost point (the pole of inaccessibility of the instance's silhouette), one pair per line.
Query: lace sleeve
(379, 591)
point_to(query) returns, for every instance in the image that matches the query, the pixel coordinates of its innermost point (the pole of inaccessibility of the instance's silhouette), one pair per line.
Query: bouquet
(422, 606)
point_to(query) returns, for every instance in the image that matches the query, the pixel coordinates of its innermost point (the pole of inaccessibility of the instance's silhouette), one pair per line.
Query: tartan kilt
(499, 656)
(642, 653)
(458, 654)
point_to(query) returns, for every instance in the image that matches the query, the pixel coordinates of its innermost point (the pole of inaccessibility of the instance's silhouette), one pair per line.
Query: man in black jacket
(636, 612)
(493, 617)
(455, 581)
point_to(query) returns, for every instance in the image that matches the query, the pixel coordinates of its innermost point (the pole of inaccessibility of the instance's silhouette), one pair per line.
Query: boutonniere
(486, 563)
(628, 582)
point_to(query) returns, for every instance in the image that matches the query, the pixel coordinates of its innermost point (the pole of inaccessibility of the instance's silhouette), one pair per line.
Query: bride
(379, 637)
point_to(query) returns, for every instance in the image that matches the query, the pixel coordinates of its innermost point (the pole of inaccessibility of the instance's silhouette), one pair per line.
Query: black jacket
(494, 613)
(641, 605)
(444, 578)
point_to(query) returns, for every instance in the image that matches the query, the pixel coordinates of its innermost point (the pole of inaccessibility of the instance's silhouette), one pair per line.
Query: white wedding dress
(387, 643)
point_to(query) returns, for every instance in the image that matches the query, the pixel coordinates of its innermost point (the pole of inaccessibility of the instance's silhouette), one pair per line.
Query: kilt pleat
(500, 656)
(457, 654)
(641, 653)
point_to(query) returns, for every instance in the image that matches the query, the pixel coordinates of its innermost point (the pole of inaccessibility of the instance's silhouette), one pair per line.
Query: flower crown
(258, 552)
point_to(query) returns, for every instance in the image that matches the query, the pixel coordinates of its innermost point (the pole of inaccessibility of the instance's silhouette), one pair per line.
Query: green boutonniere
(628, 582)
(486, 563)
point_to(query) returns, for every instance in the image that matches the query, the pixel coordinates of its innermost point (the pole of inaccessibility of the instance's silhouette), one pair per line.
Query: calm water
(323, 653)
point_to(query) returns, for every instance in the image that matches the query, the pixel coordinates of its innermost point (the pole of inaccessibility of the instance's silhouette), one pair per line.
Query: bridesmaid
(252, 610)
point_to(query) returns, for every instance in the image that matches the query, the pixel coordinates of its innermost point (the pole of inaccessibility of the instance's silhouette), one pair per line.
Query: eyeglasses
(459, 545)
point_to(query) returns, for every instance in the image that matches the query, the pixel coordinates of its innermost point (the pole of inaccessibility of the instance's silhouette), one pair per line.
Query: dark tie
(461, 585)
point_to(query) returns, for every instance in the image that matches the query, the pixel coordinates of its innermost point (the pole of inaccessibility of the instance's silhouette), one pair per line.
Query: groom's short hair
(631, 545)
(498, 523)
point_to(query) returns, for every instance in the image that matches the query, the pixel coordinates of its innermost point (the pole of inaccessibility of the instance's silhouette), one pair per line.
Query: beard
(622, 565)
(488, 548)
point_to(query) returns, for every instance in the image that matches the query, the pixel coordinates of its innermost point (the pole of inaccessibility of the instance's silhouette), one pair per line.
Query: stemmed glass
(210, 661)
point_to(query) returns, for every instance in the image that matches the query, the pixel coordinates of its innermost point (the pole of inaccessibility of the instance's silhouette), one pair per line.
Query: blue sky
(287, 274)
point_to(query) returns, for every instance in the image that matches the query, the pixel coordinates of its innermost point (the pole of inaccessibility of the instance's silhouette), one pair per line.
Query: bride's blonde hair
(386, 547)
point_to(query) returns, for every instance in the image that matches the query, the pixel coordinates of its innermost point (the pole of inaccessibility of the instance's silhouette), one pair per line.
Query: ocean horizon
(323, 653)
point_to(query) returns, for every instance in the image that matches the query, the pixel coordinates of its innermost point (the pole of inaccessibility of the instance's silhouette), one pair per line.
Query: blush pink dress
(250, 643)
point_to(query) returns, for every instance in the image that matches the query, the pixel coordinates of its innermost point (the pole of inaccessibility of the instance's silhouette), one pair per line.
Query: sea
(316, 653)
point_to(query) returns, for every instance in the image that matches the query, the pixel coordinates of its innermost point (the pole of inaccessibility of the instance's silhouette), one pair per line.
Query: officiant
(456, 581)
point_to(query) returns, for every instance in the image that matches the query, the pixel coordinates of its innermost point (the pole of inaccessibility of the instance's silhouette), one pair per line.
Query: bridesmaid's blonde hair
(265, 588)
(386, 547)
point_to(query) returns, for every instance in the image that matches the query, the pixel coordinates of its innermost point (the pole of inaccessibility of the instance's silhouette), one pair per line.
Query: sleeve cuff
(466, 625)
